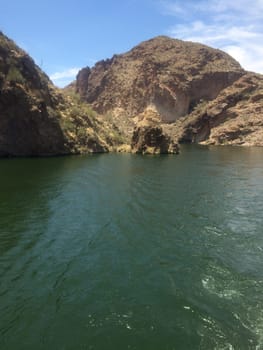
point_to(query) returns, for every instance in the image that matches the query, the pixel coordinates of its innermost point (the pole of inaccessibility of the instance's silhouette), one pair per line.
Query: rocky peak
(166, 74)
(82, 79)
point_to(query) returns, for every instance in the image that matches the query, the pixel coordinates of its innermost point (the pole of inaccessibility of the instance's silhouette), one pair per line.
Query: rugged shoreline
(161, 93)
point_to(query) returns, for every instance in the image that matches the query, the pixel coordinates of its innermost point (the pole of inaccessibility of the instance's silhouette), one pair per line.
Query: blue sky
(63, 36)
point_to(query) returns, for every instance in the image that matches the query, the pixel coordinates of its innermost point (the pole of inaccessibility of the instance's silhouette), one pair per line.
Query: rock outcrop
(235, 117)
(149, 137)
(28, 123)
(166, 74)
(152, 140)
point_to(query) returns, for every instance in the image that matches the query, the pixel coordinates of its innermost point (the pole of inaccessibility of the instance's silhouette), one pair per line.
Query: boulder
(151, 140)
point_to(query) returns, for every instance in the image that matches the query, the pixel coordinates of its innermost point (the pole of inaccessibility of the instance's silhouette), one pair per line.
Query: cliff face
(168, 75)
(35, 118)
(28, 125)
(235, 117)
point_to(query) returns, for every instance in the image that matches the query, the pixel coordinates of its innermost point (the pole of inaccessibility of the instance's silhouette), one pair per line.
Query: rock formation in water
(152, 140)
(149, 137)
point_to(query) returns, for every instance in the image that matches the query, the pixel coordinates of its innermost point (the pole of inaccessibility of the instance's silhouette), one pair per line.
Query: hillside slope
(36, 119)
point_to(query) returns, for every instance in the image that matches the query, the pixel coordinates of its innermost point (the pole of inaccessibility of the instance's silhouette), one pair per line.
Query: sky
(63, 36)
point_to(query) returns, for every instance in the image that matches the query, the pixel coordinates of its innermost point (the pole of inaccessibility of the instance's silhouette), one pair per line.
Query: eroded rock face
(152, 140)
(26, 126)
(235, 117)
(168, 75)
(82, 78)
(28, 123)
(35, 118)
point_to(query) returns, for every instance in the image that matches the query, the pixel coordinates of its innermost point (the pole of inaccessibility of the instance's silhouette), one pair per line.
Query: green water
(131, 252)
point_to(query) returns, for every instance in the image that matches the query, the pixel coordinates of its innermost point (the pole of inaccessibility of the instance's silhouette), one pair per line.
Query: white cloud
(190, 7)
(235, 27)
(250, 56)
(64, 77)
(241, 7)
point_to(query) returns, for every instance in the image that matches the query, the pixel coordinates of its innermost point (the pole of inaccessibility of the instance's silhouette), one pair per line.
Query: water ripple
(122, 251)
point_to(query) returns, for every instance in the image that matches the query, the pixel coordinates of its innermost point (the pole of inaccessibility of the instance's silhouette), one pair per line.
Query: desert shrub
(82, 134)
(67, 125)
(14, 75)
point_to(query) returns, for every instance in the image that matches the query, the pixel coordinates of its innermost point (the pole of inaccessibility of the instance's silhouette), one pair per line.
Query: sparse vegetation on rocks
(162, 92)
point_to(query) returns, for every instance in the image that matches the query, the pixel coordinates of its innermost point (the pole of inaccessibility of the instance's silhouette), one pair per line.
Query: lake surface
(133, 252)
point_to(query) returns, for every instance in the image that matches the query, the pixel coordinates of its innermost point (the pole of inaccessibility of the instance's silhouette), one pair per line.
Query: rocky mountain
(197, 94)
(168, 75)
(161, 92)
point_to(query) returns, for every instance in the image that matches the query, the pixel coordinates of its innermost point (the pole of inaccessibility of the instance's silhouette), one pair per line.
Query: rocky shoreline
(161, 93)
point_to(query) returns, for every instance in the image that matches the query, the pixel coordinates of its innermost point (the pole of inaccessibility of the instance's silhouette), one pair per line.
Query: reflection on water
(131, 252)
